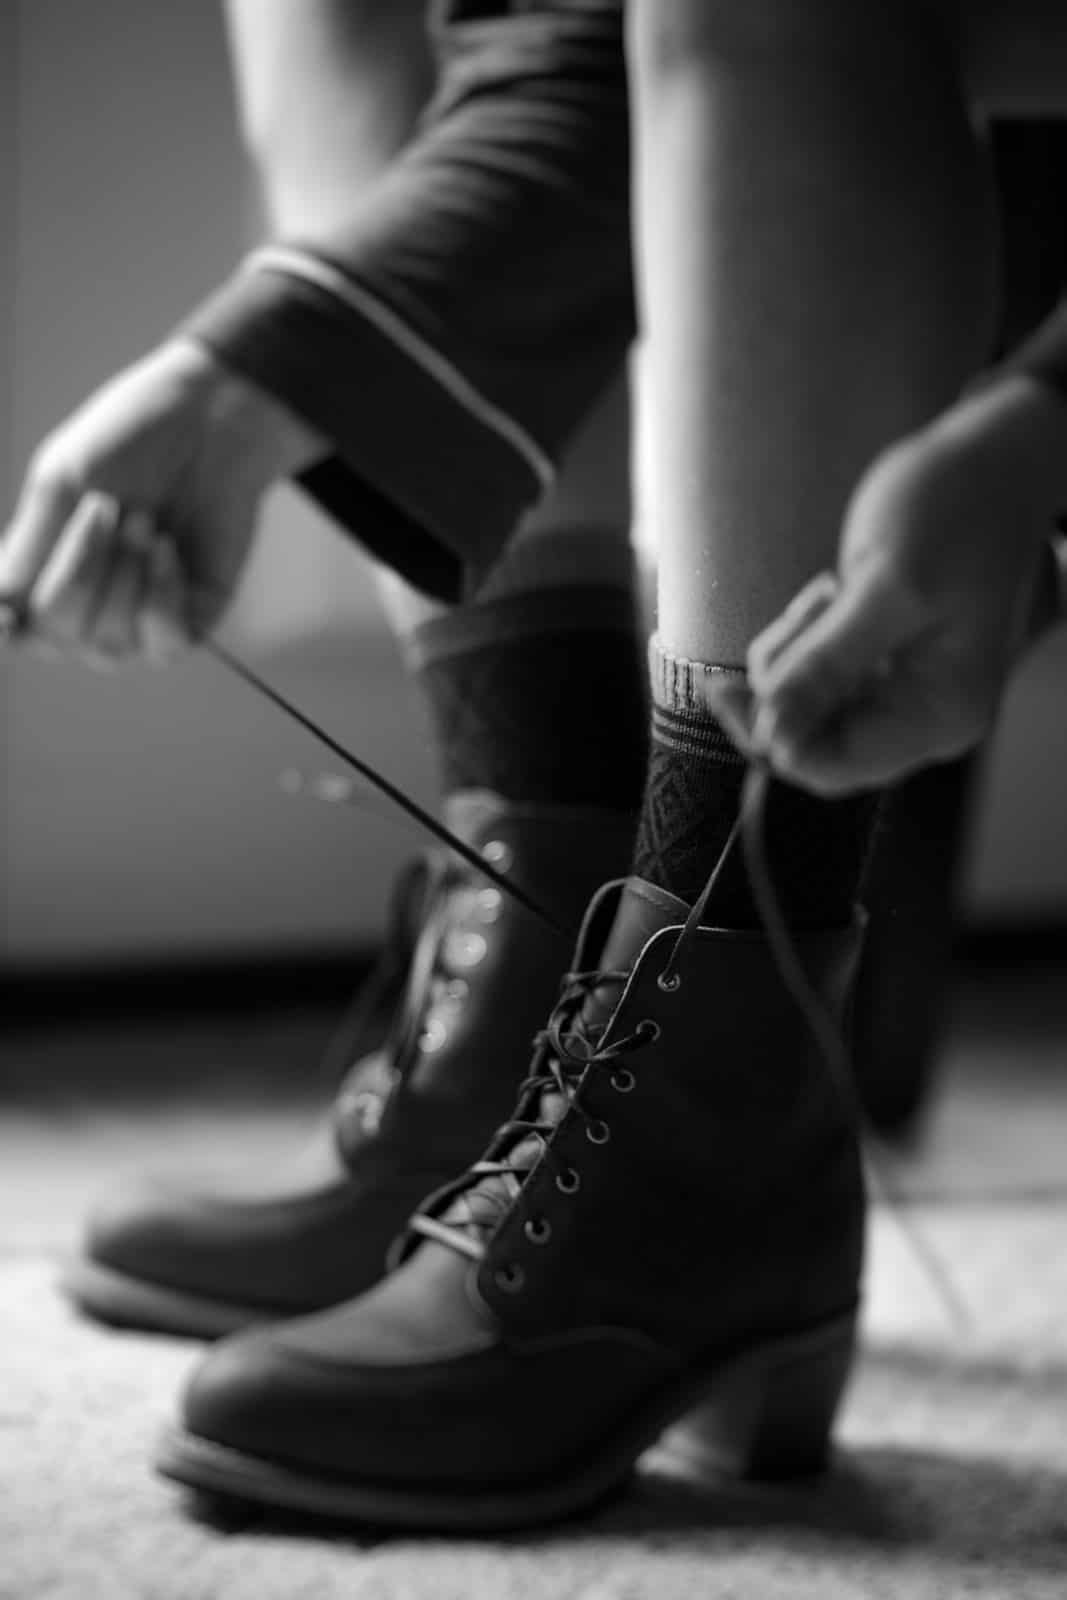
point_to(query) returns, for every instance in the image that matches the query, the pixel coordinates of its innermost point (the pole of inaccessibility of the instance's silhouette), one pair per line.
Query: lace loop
(670, 979)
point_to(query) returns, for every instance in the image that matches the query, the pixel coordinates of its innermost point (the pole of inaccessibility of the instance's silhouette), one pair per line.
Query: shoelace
(404, 802)
(489, 1186)
(749, 827)
(880, 1161)
(563, 1053)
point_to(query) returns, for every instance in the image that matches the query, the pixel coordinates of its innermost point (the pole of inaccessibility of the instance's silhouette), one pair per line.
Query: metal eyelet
(623, 1080)
(457, 990)
(597, 1132)
(649, 1030)
(569, 1181)
(669, 983)
(538, 1230)
(498, 854)
(510, 1278)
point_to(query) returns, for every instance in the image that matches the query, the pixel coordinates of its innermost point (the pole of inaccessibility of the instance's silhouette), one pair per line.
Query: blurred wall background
(141, 812)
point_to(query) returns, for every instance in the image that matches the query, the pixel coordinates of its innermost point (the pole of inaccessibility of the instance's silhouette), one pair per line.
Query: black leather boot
(669, 1227)
(482, 974)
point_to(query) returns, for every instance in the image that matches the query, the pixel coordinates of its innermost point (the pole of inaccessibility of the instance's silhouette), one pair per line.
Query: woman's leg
(815, 246)
(329, 91)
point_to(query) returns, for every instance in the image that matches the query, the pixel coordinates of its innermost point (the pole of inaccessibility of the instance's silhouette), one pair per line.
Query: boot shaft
(484, 973)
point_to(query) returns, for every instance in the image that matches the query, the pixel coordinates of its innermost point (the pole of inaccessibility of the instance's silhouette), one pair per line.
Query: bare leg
(815, 250)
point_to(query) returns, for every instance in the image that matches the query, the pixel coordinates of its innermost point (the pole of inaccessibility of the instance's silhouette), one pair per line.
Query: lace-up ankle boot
(482, 972)
(666, 1232)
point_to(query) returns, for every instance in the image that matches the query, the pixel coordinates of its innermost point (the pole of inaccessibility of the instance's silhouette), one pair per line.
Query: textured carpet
(951, 1479)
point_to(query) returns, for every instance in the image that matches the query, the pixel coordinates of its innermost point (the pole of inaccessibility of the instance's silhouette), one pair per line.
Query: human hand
(901, 658)
(138, 512)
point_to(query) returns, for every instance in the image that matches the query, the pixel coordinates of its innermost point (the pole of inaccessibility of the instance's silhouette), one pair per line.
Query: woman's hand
(901, 658)
(138, 512)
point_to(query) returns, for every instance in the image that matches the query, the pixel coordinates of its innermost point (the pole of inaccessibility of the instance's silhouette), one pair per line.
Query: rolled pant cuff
(428, 510)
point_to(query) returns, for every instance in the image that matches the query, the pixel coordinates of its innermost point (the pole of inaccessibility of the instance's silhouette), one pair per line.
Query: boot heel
(769, 1415)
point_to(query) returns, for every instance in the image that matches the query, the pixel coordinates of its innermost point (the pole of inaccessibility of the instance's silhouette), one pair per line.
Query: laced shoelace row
(564, 1051)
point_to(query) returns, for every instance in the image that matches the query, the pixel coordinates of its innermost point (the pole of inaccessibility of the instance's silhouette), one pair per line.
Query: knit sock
(816, 849)
(538, 693)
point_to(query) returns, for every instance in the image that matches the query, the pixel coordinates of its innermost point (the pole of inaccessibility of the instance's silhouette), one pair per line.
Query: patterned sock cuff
(681, 718)
(678, 684)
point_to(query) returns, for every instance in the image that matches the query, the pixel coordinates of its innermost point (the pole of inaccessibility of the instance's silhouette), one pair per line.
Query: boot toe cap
(466, 1423)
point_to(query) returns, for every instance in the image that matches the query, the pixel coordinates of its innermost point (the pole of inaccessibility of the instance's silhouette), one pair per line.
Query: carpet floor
(951, 1477)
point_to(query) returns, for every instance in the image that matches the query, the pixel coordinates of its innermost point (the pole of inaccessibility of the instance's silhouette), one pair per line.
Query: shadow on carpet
(951, 1481)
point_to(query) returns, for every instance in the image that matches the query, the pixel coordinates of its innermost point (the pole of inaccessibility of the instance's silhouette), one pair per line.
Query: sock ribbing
(694, 779)
(816, 849)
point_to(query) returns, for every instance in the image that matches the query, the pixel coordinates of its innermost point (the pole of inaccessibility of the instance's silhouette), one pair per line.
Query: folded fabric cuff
(425, 472)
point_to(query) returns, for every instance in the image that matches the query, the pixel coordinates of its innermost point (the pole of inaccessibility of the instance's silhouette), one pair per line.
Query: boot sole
(765, 1415)
(123, 1301)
